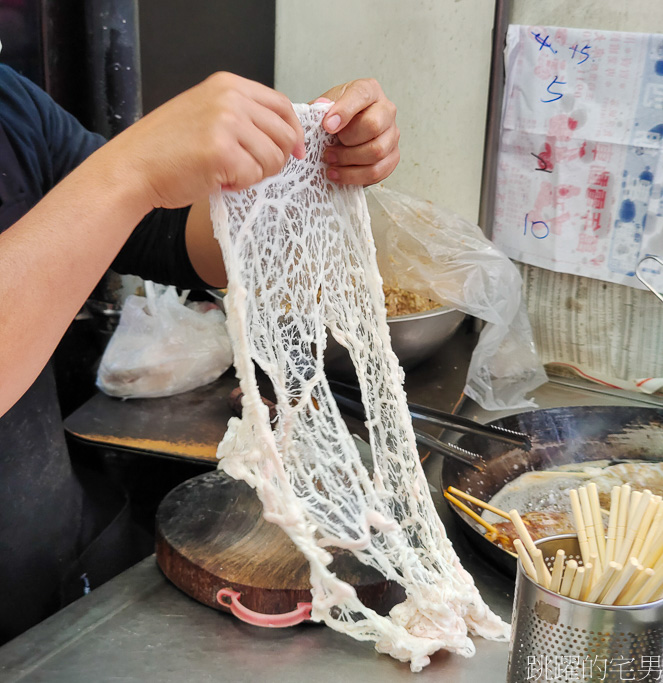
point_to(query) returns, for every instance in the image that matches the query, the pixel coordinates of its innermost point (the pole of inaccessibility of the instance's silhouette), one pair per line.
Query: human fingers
(278, 131)
(262, 147)
(365, 175)
(351, 99)
(365, 154)
(279, 104)
(245, 171)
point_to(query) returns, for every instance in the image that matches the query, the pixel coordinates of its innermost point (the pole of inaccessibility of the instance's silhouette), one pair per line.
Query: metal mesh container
(555, 638)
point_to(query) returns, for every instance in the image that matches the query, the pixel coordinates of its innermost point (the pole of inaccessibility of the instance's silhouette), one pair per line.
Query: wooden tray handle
(230, 598)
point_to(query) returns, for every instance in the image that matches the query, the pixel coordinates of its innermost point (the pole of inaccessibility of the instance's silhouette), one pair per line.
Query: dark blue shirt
(47, 517)
(48, 143)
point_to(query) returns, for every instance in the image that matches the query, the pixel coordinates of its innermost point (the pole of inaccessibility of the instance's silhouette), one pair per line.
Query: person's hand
(365, 122)
(225, 132)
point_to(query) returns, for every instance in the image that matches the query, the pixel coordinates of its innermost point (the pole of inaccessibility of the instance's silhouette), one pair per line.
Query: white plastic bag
(433, 252)
(163, 347)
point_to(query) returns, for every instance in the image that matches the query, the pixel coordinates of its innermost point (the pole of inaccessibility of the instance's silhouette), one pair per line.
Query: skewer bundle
(622, 565)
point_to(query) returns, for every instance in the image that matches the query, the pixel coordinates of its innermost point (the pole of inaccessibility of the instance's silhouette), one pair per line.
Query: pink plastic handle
(302, 613)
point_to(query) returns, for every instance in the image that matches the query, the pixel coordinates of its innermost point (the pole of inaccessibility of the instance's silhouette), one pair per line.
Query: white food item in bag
(300, 258)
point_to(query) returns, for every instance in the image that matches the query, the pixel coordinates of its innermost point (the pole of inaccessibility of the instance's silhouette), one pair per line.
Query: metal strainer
(555, 638)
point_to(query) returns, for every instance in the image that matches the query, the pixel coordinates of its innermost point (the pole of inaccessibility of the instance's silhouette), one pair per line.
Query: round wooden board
(211, 535)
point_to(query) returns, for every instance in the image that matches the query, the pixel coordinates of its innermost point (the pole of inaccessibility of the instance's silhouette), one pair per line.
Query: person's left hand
(365, 122)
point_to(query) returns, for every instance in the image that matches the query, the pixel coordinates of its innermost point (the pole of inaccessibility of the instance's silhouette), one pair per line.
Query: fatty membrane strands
(300, 260)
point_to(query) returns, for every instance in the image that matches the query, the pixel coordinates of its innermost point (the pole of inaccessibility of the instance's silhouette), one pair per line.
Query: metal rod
(493, 118)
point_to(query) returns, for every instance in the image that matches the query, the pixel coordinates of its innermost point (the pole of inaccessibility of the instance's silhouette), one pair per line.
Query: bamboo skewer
(486, 506)
(470, 512)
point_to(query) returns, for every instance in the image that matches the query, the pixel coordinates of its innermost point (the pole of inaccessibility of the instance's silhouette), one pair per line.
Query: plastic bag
(163, 347)
(433, 252)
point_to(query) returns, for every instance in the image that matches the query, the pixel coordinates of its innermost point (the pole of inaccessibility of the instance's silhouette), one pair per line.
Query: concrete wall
(432, 59)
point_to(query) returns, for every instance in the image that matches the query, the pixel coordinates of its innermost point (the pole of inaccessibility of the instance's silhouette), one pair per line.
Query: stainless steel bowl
(414, 338)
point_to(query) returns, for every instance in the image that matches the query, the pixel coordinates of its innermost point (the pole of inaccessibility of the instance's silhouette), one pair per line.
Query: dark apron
(60, 532)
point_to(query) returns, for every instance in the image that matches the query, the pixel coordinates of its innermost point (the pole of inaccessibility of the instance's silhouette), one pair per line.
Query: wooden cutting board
(211, 535)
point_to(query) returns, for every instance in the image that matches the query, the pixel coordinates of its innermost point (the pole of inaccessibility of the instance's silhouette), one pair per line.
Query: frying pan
(559, 436)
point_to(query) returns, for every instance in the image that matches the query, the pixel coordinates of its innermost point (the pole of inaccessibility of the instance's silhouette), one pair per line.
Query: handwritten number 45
(584, 52)
(538, 229)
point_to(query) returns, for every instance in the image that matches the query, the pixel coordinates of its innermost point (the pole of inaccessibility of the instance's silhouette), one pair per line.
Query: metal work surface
(189, 426)
(138, 627)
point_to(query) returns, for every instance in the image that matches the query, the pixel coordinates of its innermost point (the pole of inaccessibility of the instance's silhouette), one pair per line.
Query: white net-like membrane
(300, 259)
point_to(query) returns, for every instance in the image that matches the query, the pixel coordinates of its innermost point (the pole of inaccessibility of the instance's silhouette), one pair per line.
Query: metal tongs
(348, 399)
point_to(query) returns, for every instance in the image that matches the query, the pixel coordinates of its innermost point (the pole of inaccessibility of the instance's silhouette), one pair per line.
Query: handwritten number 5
(557, 95)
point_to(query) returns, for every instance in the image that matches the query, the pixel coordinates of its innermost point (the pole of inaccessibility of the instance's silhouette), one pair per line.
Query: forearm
(203, 249)
(53, 257)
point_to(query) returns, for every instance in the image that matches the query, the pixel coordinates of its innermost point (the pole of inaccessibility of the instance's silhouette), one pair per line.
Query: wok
(559, 436)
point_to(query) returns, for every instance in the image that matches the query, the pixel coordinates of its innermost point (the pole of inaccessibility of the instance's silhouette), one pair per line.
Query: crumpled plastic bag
(163, 347)
(437, 254)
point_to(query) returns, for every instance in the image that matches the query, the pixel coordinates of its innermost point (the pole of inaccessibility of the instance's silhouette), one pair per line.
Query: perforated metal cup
(555, 638)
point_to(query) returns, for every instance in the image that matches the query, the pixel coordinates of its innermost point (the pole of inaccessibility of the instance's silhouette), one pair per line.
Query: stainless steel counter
(138, 627)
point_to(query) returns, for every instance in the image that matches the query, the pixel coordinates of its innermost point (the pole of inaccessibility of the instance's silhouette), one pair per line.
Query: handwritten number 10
(538, 229)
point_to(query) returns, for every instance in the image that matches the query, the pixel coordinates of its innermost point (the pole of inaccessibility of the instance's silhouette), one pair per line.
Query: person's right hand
(225, 132)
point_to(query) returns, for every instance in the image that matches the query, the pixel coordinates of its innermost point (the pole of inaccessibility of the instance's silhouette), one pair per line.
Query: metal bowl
(414, 338)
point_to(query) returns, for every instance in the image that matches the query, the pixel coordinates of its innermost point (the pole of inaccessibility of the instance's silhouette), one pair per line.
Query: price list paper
(580, 168)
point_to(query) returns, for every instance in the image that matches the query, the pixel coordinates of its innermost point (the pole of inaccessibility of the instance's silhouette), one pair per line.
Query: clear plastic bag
(433, 252)
(163, 347)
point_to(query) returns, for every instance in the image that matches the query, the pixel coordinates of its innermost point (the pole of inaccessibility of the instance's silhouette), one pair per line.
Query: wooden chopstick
(612, 525)
(633, 525)
(569, 577)
(579, 525)
(470, 512)
(477, 502)
(597, 519)
(643, 528)
(588, 519)
(543, 574)
(558, 570)
(528, 565)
